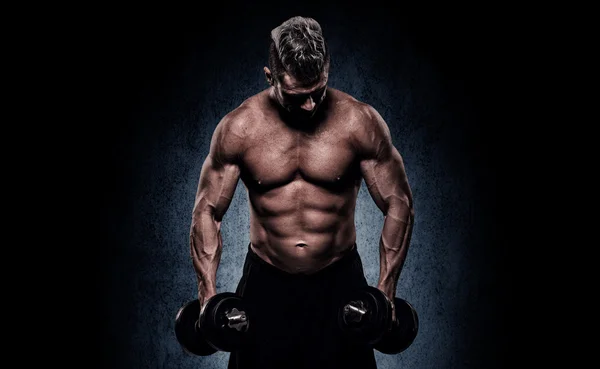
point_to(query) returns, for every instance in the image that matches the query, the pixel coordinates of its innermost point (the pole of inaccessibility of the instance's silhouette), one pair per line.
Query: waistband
(344, 262)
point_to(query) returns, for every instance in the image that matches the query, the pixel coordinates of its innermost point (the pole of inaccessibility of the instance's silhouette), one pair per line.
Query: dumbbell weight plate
(404, 332)
(187, 333)
(374, 323)
(215, 325)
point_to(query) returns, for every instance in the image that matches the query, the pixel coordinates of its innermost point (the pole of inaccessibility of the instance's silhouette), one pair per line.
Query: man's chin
(302, 115)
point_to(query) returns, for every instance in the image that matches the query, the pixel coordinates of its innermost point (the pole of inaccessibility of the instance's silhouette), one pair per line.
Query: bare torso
(302, 183)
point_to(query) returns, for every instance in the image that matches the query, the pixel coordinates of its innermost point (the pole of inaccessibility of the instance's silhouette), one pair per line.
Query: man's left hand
(390, 293)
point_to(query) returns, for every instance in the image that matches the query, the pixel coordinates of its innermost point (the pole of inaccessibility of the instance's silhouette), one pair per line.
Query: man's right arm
(218, 180)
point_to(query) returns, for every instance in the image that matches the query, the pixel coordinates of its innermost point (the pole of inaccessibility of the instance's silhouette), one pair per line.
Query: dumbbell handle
(354, 311)
(237, 319)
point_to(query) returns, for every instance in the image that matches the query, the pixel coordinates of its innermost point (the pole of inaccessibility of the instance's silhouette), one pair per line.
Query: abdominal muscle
(302, 237)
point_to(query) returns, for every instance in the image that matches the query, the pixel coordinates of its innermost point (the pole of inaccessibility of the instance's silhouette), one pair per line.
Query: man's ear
(269, 75)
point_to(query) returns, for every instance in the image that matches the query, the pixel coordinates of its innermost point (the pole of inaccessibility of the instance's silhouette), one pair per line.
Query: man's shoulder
(238, 120)
(358, 114)
(364, 123)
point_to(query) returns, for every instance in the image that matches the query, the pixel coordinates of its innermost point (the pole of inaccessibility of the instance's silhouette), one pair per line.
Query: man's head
(298, 65)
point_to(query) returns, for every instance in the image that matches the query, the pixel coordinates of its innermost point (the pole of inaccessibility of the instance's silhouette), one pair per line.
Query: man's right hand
(220, 324)
(203, 299)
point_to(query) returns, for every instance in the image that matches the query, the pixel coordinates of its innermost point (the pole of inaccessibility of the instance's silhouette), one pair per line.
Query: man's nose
(308, 104)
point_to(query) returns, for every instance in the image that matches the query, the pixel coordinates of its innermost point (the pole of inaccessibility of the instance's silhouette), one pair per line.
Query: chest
(277, 156)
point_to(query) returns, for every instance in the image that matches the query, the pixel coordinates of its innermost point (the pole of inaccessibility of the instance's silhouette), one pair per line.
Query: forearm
(393, 247)
(206, 247)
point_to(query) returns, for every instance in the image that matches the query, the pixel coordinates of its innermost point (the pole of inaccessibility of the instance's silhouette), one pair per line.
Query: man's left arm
(383, 170)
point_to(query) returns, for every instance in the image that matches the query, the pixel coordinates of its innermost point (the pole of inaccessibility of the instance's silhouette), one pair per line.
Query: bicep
(382, 166)
(220, 172)
(386, 180)
(216, 187)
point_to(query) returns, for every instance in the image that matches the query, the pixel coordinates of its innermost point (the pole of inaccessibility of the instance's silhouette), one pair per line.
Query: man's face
(300, 99)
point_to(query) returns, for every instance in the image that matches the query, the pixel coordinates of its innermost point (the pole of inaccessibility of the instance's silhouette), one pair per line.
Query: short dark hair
(298, 48)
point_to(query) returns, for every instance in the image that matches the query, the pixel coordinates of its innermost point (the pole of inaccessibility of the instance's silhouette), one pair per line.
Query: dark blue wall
(431, 78)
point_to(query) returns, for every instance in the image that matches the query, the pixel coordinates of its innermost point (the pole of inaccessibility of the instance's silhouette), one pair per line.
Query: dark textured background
(435, 75)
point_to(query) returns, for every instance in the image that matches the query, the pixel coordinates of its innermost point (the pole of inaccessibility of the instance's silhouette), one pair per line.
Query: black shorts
(294, 317)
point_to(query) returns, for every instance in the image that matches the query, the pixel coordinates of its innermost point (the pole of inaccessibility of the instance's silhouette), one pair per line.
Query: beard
(301, 114)
(302, 119)
(298, 117)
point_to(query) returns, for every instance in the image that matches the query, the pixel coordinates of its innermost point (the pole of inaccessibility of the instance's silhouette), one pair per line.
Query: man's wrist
(388, 289)
(205, 294)
(390, 293)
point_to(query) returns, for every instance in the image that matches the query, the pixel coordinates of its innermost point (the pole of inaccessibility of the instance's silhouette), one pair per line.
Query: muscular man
(301, 149)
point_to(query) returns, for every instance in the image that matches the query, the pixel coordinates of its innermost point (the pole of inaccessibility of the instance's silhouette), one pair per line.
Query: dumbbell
(220, 325)
(365, 316)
